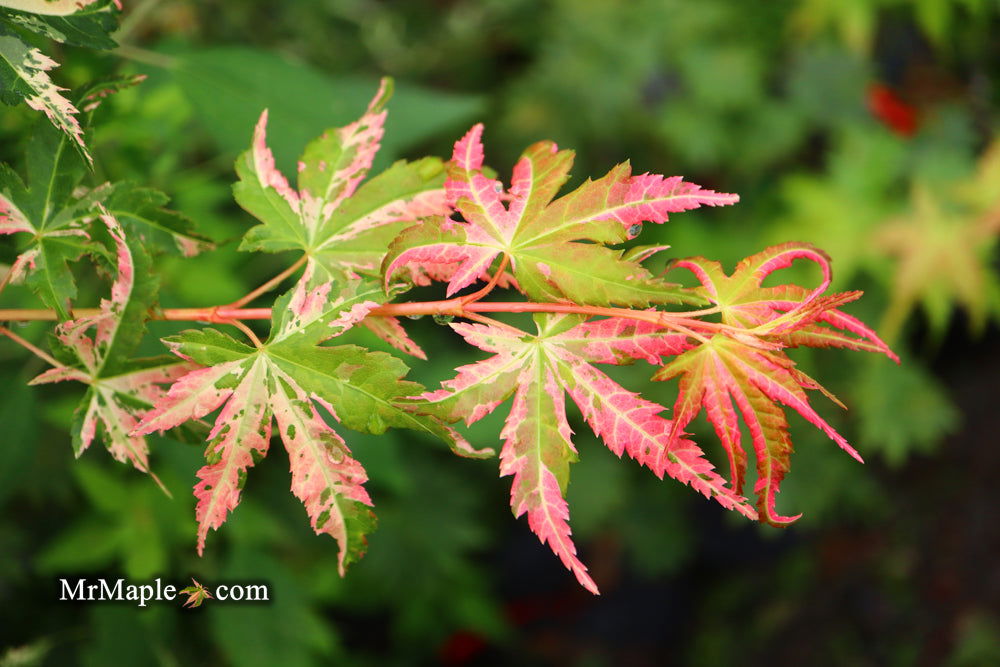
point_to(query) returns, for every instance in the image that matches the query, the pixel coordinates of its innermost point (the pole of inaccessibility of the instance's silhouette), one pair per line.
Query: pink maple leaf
(548, 241)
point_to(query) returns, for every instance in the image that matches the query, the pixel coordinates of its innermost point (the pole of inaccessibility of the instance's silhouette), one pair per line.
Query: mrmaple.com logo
(104, 590)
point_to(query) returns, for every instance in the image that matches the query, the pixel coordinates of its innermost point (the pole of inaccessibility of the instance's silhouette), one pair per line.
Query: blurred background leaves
(865, 126)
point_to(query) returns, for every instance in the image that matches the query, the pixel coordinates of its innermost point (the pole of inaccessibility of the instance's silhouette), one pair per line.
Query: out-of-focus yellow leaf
(943, 249)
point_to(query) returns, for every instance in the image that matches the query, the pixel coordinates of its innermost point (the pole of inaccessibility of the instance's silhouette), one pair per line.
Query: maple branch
(269, 285)
(212, 314)
(145, 56)
(4, 331)
(456, 307)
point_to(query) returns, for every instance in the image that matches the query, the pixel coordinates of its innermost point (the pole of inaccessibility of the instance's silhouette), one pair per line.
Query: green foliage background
(894, 563)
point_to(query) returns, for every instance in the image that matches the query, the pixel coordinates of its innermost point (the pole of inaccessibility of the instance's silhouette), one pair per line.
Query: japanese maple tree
(568, 259)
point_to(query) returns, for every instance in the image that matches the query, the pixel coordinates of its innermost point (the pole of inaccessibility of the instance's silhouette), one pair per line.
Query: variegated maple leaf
(144, 214)
(745, 364)
(53, 215)
(24, 69)
(24, 75)
(119, 389)
(557, 249)
(286, 381)
(58, 230)
(344, 229)
(86, 23)
(538, 371)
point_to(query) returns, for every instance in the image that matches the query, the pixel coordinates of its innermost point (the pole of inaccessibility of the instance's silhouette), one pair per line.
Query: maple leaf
(253, 391)
(142, 211)
(557, 248)
(944, 249)
(86, 23)
(59, 221)
(196, 593)
(45, 211)
(24, 69)
(24, 75)
(343, 228)
(538, 371)
(56, 213)
(391, 331)
(119, 390)
(285, 381)
(745, 364)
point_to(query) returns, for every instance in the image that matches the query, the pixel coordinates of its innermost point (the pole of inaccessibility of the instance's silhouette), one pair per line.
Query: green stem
(146, 56)
(132, 20)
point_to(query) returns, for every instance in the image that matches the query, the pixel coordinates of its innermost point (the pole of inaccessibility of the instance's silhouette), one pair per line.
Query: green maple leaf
(24, 69)
(57, 214)
(59, 234)
(343, 228)
(87, 23)
(143, 212)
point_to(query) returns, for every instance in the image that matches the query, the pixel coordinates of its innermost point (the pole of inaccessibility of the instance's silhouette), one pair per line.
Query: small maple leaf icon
(196, 594)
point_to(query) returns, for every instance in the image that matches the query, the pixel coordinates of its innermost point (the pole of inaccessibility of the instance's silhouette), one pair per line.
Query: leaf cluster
(362, 245)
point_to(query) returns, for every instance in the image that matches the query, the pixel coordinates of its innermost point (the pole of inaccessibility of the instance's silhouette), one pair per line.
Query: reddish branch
(468, 306)
(4, 331)
(457, 307)
(680, 322)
